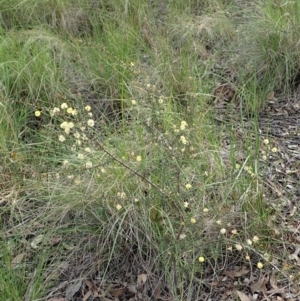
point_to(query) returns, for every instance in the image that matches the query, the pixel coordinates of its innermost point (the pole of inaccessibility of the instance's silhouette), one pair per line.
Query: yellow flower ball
(80, 156)
(74, 112)
(183, 125)
(64, 106)
(61, 138)
(238, 247)
(88, 164)
(223, 231)
(91, 122)
(183, 140)
(188, 186)
(201, 259)
(260, 265)
(37, 113)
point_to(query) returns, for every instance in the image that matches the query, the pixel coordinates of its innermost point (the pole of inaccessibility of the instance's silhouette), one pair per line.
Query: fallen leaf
(226, 295)
(36, 241)
(73, 288)
(142, 278)
(132, 288)
(229, 274)
(266, 297)
(275, 289)
(273, 282)
(17, 259)
(68, 247)
(87, 295)
(233, 274)
(55, 241)
(243, 297)
(157, 292)
(260, 285)
(295, 254)
(117, 292)
(90, 284)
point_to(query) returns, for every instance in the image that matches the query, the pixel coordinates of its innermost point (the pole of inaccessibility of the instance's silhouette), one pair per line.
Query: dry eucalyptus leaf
(229, 274)
(157, 292)
(243, 297)
(273, 281)
(260, 285)
(90, 284)
(68, 247)
(117, 292)
(142, 278)
(87, 295)
(73, 288)
(132, 288)
(17, 260)
(36, 241)
(233, 274)
(295, 254)
(55, 241)
(275, 291)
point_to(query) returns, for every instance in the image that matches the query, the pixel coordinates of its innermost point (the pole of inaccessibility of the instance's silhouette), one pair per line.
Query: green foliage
(275, 35)
(109, 141)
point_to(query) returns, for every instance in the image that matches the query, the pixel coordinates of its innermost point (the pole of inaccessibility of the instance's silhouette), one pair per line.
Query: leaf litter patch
(141, 282)
(279, 130)
(120, 280)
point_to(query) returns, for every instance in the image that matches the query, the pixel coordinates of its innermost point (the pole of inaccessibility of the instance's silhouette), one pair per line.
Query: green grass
(154, 178)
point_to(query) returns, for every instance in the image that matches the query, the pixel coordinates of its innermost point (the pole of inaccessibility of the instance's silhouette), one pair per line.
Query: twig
(140, 176)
